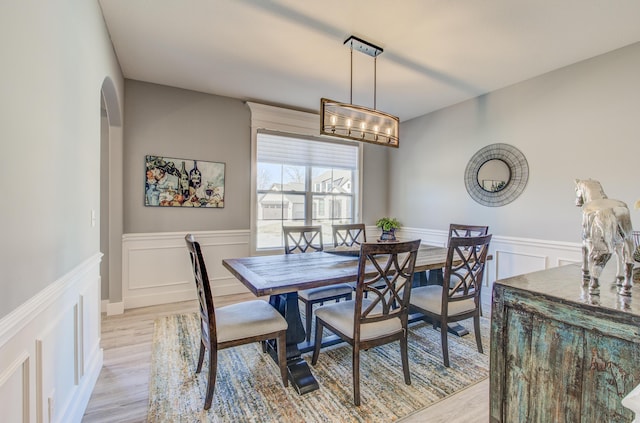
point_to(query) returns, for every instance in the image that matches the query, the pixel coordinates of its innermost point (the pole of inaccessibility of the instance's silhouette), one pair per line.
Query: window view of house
(297, 186)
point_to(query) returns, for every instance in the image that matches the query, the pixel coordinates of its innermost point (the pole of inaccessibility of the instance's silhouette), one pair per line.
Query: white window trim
(294, 122)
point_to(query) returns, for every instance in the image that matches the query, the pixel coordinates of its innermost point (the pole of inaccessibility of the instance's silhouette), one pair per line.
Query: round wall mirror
(496, 175)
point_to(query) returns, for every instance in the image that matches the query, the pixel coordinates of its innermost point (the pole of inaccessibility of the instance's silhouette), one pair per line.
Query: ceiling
(291, 53)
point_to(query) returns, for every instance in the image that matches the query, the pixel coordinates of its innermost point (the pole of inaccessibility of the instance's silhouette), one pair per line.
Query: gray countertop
(564, 283)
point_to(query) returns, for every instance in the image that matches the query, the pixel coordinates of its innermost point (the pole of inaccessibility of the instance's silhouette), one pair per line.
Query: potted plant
(388, 226)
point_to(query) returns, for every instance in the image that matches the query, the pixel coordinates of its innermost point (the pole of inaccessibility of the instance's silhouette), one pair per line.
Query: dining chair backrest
(461, 230)
(464, 269)
(349, 234)
(385, 275)
(205, 296)
(302, 239)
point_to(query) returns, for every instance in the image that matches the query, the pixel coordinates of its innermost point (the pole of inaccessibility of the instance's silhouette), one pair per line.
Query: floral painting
(183, 183)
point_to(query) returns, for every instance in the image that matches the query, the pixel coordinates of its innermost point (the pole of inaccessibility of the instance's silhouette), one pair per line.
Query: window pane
(269, 176)
(327, 231)
(294, 178)
(269, 234)
(293, 207)
(269, 206)
(342, 207)
(321, 179)
(342, 181)
(321, 207)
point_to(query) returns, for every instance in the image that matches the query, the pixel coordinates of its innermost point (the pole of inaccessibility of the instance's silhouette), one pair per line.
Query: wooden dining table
(282, 276)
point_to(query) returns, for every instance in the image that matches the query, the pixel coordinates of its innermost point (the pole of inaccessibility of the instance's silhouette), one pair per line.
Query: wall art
(171, 182)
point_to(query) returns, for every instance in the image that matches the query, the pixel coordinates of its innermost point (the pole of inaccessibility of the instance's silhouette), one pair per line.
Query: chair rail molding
(156, 267)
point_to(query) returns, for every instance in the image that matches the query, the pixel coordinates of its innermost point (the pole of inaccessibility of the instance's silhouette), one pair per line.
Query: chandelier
(347, 120)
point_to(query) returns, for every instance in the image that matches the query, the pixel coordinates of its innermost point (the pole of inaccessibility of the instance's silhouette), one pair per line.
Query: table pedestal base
(301, 377)
(299, 372)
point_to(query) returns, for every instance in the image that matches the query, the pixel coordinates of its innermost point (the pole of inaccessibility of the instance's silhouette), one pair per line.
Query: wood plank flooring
(121, 393)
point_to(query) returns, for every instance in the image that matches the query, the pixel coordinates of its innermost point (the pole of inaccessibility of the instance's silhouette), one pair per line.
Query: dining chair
(458, 298)
(462, 230)
(349, 234)
(457, 229)
(380, 318)
(232, 325)
(308, 239)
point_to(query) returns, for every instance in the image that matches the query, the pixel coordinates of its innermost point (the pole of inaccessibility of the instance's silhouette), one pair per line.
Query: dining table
(281, 277)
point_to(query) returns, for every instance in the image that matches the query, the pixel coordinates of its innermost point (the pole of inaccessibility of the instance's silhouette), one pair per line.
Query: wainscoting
(511, 256)
(50, 355)
(156, 268)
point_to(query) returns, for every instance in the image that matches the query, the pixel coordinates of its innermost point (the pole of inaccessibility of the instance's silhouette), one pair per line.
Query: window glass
(303, 182)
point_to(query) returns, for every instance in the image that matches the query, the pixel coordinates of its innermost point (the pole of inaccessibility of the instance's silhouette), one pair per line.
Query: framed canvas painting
(171, 182)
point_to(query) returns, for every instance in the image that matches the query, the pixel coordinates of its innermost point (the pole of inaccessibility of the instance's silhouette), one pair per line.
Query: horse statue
(606, 229)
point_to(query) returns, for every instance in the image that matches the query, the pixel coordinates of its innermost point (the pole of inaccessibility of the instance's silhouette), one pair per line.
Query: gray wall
(580, 121)
(172, 122)
(56, 56)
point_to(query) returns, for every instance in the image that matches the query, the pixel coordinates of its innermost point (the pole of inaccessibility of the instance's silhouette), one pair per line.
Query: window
(302, 181)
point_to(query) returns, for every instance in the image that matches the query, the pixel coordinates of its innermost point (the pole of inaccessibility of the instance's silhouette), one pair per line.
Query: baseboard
(113, 309)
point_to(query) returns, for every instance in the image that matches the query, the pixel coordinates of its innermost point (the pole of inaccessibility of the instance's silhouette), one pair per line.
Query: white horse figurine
(606, 229)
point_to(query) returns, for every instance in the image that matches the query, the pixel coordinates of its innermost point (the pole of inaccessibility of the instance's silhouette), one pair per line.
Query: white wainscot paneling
(516, 256)
(511, 264)
(511, 256)
(50, 355)
(14, 390)
(157, 270)
(56, 366)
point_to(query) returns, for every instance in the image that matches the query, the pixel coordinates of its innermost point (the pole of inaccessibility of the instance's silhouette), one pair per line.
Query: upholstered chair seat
(247, 320)
(324, 292)
(340, 316)
(429, 298)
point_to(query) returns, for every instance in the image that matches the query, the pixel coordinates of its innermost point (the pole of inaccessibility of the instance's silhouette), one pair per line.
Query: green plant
(388, 223)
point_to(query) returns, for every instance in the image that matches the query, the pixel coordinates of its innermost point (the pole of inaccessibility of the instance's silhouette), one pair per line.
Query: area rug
(249, 388)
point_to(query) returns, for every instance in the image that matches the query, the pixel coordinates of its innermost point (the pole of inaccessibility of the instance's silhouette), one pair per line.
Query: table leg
(299, 372)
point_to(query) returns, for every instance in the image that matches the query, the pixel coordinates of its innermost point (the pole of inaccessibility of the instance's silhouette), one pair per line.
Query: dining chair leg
(356, 374)
(476, 328)
(200, 356)
(318, 342)
(211, 383)
(308, 309)
(445, 343)
(405, 359)
(282, 357)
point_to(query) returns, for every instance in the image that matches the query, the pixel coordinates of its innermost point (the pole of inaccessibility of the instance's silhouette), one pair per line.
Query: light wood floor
(121, 393)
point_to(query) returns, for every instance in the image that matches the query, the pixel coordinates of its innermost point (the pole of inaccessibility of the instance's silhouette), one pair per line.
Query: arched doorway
(111, 198)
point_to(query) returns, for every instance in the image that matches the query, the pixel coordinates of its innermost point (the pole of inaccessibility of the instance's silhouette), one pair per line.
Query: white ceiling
(291, 52)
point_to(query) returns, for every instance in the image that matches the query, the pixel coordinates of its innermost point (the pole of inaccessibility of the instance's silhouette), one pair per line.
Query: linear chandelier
(347, 120)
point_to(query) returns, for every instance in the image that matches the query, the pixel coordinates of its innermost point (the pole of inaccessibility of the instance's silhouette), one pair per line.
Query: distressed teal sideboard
(559, 354)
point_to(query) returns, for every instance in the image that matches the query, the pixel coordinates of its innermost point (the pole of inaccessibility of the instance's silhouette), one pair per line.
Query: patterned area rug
(249, 389)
